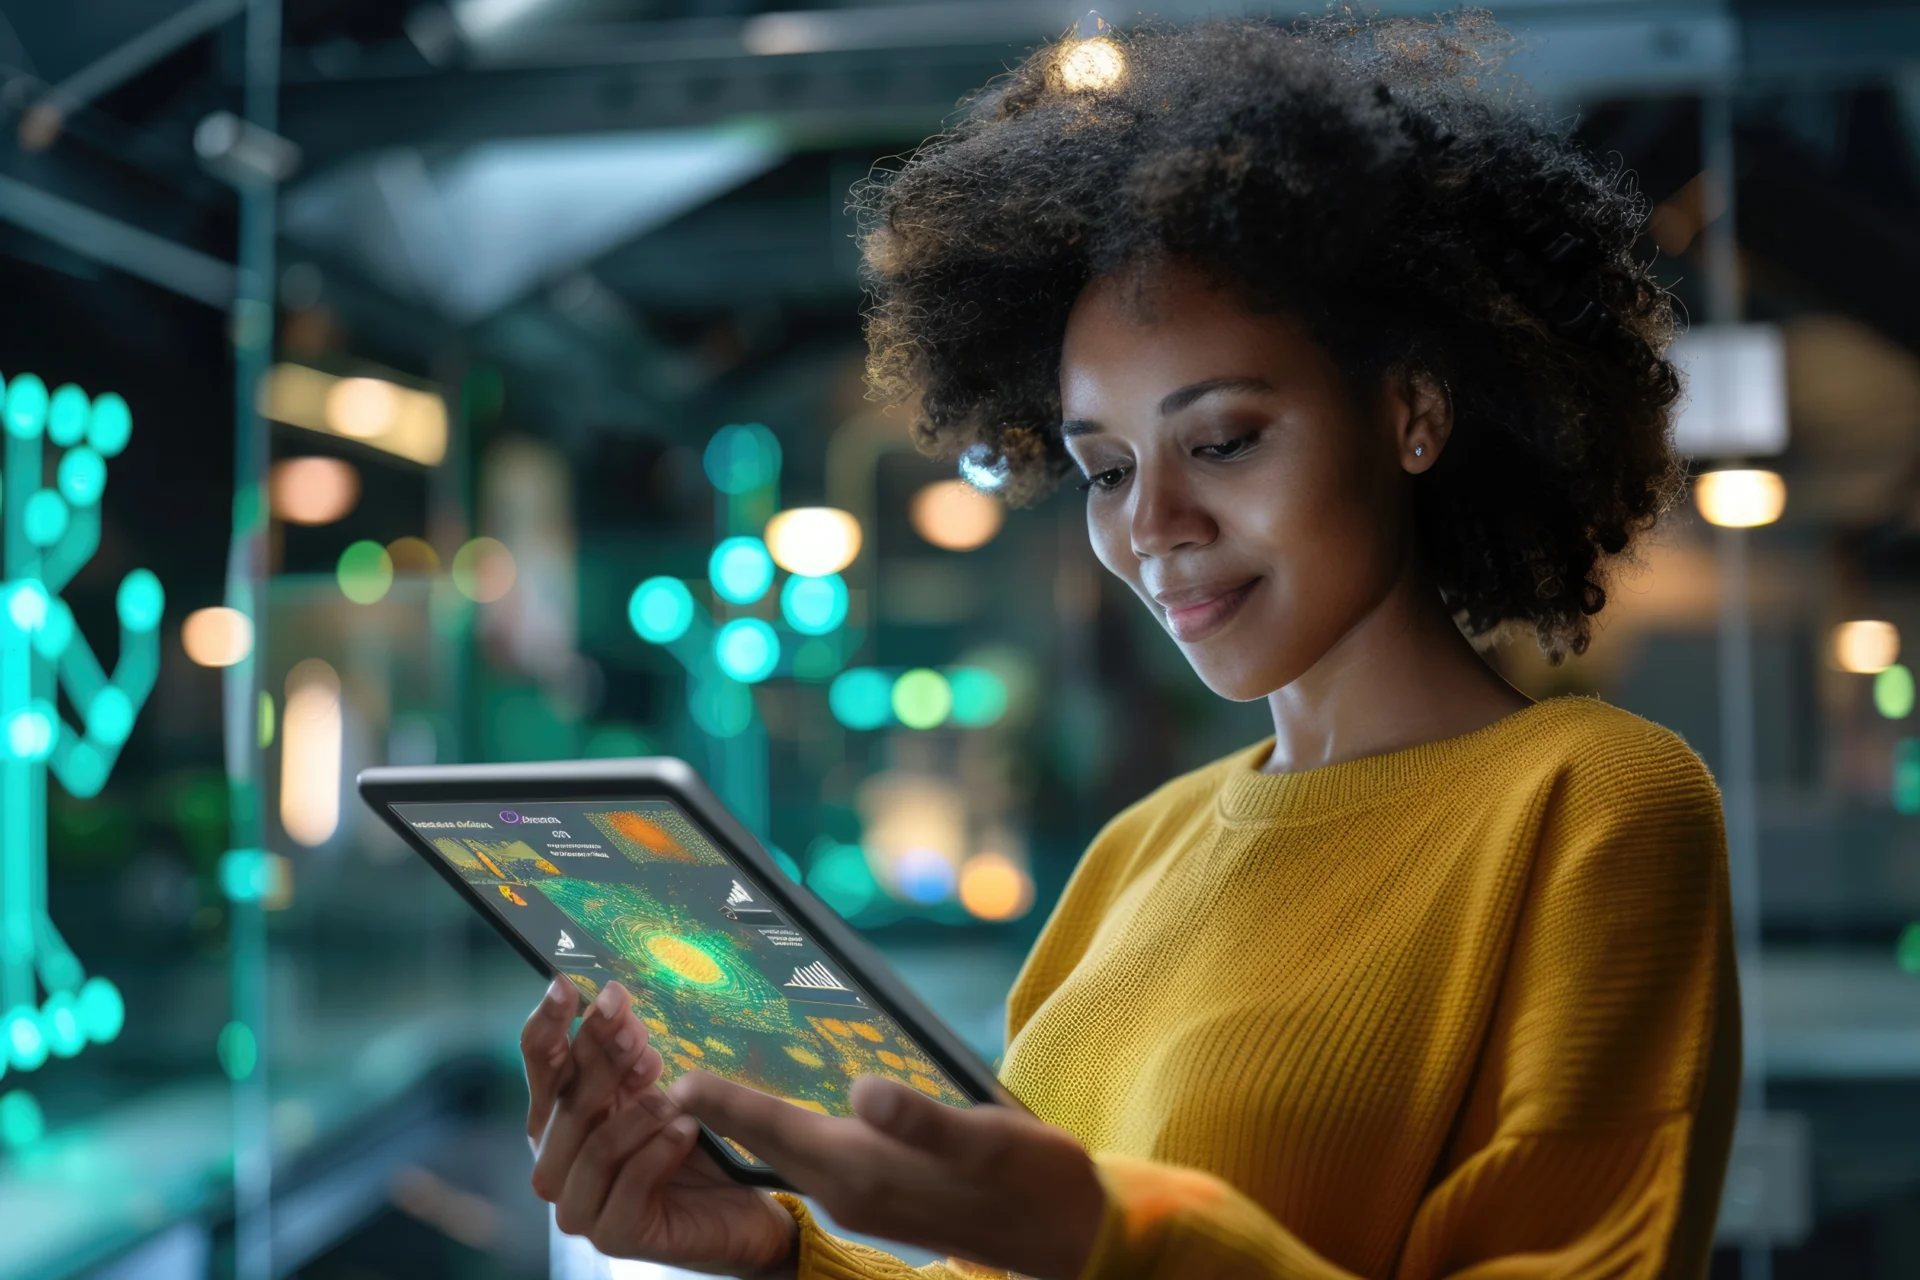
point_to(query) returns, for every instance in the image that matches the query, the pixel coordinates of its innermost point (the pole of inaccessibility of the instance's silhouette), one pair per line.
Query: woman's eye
(1226, 448)
(1104, 480)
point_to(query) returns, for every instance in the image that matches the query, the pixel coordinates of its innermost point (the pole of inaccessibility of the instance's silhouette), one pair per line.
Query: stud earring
(1419, 451)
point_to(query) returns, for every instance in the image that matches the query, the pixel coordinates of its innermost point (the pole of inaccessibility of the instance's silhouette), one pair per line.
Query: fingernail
(682, 1128)
(558, 991)
(608, 1001)
(624, 1041)
(882, 1107)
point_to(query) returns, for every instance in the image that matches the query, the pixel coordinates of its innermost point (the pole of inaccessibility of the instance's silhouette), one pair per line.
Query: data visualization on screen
(633, 890)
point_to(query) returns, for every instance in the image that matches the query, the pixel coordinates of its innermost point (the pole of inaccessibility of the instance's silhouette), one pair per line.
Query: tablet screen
(723, 979)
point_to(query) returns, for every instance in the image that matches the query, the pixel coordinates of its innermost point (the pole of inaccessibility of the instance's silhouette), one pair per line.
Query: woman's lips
(1198, 621)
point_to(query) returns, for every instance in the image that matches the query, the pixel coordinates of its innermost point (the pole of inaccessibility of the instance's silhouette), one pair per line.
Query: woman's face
(1235, 484)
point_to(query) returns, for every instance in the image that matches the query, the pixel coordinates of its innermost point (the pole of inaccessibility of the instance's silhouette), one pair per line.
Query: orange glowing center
(684, 960)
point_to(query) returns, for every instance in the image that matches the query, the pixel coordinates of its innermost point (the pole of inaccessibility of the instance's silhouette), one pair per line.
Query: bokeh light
(25, 1043)
(28, 604)
(1740, 498)
(140, 601)
(310, 746)
(31, 731)
(954, 515)
(995, 887)
(102, 1011)
(411, 555)
(217, 637)
(362, 407)
(1087, 65)
(979, 696)
(238, 1050)
(722, 708)
(843, 880)
(813, 541)
(60, 1023)
(312, 491)
(921, 698)
(110, 425)
(56, 631)
(44, 517)
(924, 876)
(1893, 692)
(660, 610)
(365, 572)
(814, 606)
(82, 476)
(483, 570)
(26, 406)
(740, 459)
(110, 716)
(747, 649)
(21, 1124)
(1906, 776)
(1865, 646)
(1906, 950)
(67, 414)
(816, 660)
(740, 570)
(861, 698)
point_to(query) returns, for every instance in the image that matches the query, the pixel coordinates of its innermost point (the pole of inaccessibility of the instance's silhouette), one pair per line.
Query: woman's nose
(1166, 514)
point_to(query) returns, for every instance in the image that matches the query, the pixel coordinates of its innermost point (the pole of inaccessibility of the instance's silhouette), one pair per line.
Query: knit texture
(1466, 1009)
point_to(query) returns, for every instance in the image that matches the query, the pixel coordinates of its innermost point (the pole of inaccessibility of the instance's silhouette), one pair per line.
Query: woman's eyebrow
(1174, 401)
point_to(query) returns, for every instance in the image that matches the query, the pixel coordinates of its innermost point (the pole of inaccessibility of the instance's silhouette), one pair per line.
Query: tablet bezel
(669, 778)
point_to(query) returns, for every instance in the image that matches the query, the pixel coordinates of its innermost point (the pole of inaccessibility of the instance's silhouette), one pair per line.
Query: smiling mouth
(1193, 622)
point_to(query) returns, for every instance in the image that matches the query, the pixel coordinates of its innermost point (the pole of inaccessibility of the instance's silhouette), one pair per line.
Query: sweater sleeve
(1595, 1125)
(1594, 1132)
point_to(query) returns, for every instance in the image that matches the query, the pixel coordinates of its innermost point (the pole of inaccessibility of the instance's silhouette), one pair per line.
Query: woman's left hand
(990, 1184)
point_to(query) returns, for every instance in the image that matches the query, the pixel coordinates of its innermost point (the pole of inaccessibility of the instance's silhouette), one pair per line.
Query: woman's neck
(1404, 675)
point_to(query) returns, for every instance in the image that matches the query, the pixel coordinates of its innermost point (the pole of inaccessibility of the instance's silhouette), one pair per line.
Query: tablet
(633, 870)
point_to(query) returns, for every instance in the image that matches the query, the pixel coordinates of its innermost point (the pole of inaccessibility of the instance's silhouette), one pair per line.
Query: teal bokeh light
(740, 459)
(67, 415)
(660, 610)
(110, 716)
(44, 517)
(26, 410)
(82, 476)
(246, 875)
(110, 425)
(60, 1022)
(21, 1123)
(861, 698)
(842, 879)
(31, 731)
(979, 696)
(28, 605)
(747, 649)
(26, 1043)
(238, 1050)
(55, 632)
(814, 606)
(740, 569)
(102, 1011)
(140, 601)
(722, 708)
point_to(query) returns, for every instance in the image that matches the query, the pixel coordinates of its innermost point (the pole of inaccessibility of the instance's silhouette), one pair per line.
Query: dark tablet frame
(667, 778)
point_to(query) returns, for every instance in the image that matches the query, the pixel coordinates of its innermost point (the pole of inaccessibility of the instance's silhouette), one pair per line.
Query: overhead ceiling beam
(107, 240)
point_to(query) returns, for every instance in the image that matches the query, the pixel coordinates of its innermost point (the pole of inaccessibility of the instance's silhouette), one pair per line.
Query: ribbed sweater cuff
(822, 1256)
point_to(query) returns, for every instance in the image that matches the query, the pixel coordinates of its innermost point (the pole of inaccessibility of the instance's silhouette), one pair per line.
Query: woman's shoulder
(1595, 743)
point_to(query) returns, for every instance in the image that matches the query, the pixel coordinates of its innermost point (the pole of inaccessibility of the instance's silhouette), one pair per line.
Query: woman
(1356, 365)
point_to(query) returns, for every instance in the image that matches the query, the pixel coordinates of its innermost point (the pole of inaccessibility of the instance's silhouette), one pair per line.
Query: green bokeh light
(1893, 692)
(110, 426)
(365, 572)
(615, 741)
(44, 517)
(110, 716)
(102, 1011)
(740, 459)
(1906, 952)
(26, 410)
(67, 415)
(816, 660)
(140, 601)
(861, 698)
(660, 610)
(238, 1051)
(82, 476)
(740, 569)
(246, 875)
(721, 707)
(1906, 775)
(979, 696)
(922, 698)
(25, 1043)
(814, 606)
(60, 1021)
(841, 877)
(21, 1123)
(747, 649)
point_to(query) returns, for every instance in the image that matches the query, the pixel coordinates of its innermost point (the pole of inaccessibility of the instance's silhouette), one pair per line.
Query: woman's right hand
(618, 1160)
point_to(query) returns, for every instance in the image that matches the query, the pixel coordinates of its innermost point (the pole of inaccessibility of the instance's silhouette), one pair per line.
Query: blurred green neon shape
(49, 1007)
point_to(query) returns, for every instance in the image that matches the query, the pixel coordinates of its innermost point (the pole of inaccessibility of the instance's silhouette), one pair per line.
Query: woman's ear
(1427, 423)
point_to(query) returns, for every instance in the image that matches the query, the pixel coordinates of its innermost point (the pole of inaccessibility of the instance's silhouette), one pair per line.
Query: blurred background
(481, 381)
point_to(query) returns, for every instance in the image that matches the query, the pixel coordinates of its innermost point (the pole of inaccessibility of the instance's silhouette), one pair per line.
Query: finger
(801, 1144)
(917, 1120)
(613, 1065)
(545, 1051)
(584, 1194)
(651, 1165)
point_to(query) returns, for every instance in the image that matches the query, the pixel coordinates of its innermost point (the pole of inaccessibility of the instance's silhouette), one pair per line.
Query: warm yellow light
(1866, 646)
(995, 887)
(955, 515)
(1091, 64)
(813, 541)
(379, 412)
(413, 555)
(217, 637)
(364, 408)
(1740, 499)
(483, 570)
(310, 736)
(313, 490)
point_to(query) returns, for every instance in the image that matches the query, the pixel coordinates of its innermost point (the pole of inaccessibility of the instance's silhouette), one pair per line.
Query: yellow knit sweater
(1462, 1010)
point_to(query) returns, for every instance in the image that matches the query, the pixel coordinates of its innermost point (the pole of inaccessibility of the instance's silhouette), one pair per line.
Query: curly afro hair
(1357, 174)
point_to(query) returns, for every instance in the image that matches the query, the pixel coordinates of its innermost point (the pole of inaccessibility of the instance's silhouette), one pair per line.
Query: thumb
(912, 1117)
